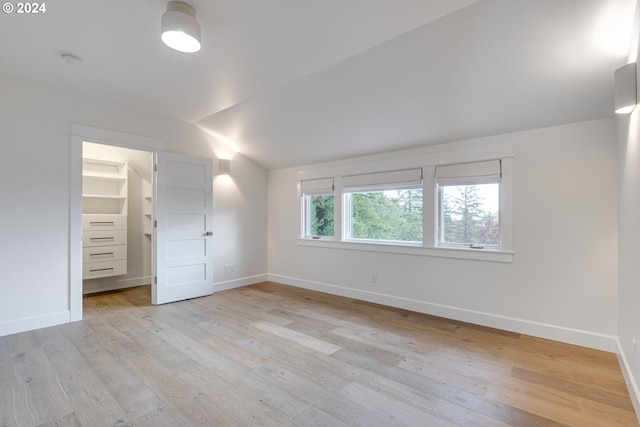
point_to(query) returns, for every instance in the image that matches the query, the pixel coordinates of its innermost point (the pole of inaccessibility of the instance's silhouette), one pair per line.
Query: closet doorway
(157, 208)
(117, 218)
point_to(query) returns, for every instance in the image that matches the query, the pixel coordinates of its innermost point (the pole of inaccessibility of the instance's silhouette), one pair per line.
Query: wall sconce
(224, 167)
(625, 89)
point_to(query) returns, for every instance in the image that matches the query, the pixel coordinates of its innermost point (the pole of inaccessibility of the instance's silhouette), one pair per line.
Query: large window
(469, 205)
(318, 208)
(384, 206)
(454, 210)
(385, 215)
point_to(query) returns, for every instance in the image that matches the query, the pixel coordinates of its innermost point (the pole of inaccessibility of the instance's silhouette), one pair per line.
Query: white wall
(240, 223)
(562, 281)
(629, 247)
(629, 236)
(35, 143)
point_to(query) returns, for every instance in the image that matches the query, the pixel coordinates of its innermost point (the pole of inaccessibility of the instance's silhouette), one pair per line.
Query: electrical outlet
(232, 268)
(226, 268)
(374, 277)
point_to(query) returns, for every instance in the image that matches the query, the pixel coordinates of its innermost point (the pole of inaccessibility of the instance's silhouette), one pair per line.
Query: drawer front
(104, 238)
(94, 270)
(104, 222)
(104, 253)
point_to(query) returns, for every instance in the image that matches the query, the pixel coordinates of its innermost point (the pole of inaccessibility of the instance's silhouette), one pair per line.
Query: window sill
(458, 253)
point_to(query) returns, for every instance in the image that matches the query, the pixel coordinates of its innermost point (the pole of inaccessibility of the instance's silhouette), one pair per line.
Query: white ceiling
(292, 82)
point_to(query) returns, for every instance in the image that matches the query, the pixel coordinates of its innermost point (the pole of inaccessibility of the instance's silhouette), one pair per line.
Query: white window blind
(317, 186)
(478, 172)
(405, 179)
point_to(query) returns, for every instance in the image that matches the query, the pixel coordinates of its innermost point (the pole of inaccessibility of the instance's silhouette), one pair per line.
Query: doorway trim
(79, 134)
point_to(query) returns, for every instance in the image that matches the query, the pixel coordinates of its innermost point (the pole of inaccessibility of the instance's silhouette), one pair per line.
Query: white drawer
(104, 253)
(94, 270)
(104, 238)
(104, 222)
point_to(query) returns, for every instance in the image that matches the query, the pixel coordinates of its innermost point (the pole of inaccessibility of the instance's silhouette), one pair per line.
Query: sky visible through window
(491, 197)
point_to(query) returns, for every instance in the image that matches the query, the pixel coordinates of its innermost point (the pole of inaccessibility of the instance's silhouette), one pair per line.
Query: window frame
(315, 186)
(348, 213)
(440, 220)
(306, 216)
(428, 159)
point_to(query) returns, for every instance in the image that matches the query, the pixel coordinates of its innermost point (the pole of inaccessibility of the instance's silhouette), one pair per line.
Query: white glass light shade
(625, 89)
(180, 30)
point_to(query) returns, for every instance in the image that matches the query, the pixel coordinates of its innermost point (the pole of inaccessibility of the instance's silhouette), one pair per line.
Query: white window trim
(306, 207)
(303, 209)
(427, 161)
(406, 249)
(305, 217)
(467, 173)
(439, 242)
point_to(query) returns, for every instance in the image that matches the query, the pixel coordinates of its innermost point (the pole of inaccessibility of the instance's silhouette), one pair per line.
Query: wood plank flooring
(274, 355)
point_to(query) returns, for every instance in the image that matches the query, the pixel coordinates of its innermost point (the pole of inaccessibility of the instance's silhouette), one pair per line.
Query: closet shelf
(105, 175)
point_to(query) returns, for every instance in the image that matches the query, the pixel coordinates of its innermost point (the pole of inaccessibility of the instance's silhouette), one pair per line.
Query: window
(440, 209)
(386, 215)
(318, 208)
(469, 205)
(385, 207)
(470, 215)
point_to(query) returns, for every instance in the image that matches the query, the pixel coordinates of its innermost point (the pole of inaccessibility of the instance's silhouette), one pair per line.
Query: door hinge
(155, 167)
(155, 223)
(155, 280)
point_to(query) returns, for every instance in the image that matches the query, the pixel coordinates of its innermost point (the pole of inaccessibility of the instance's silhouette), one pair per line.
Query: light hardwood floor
(273, 355)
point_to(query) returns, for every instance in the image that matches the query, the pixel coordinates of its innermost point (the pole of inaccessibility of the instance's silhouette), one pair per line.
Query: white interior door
(183, 265)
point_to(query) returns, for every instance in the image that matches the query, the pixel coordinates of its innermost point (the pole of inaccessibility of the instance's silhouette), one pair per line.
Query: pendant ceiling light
(180, 30)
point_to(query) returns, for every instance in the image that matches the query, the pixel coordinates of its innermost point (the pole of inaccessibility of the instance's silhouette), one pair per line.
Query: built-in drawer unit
(104, 253)
(104, 238)
(104, 222)
(94, 270)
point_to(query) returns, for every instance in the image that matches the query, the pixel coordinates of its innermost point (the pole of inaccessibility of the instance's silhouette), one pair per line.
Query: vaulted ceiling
(292, 82)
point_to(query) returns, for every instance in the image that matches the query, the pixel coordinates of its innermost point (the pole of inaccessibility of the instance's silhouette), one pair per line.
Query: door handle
(209, 233)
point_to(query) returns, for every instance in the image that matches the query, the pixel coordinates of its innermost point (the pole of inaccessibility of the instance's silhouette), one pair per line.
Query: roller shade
(317, 186)
(477, 172)
(408, 178)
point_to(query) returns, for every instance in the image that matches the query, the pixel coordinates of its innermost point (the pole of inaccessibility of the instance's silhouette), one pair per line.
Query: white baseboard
(94, 287)
(90, 288)
(238, 283)
(542, 330)
(632, 385)
(14, 326)
(99, 285)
